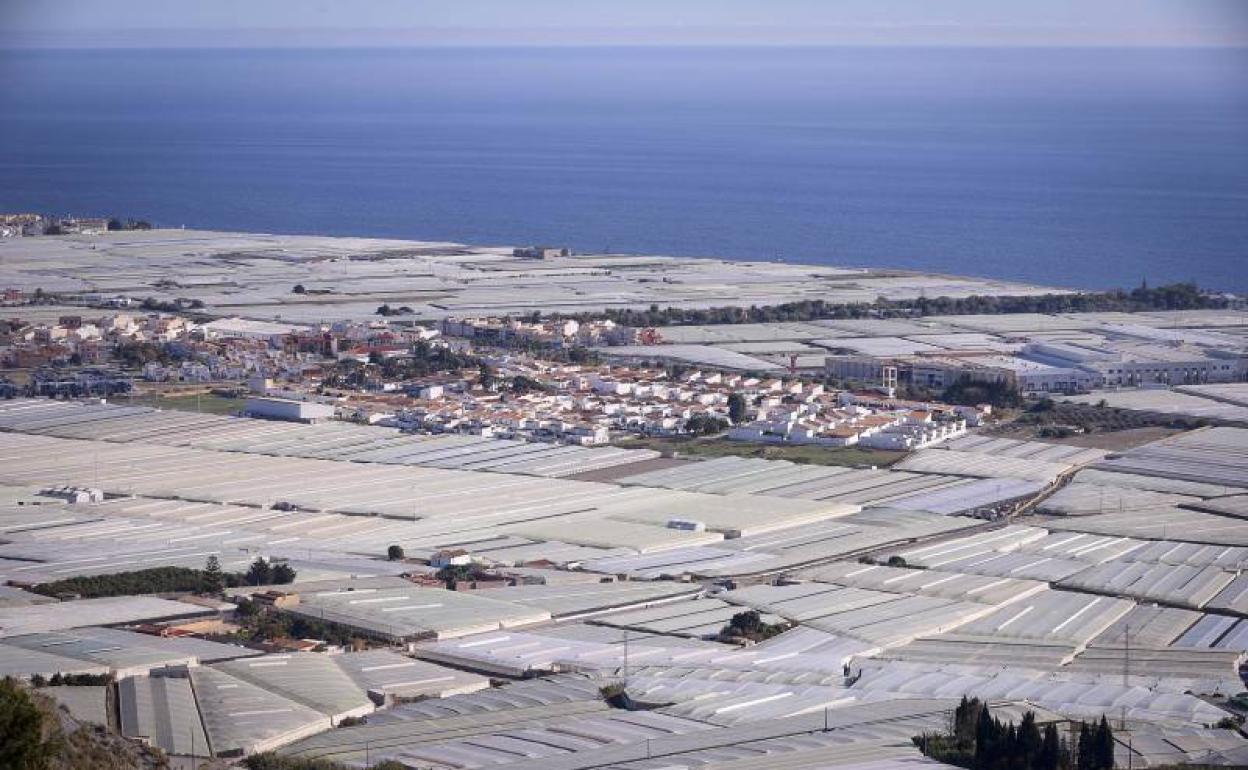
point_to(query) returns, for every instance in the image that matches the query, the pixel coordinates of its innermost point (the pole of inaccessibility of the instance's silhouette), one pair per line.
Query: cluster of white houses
(587, 405)
(846, 421)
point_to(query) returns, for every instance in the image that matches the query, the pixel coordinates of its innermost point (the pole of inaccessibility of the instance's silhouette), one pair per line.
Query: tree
(213, 579)
(22, 728)
(736, 408)
(968, 392)
(705, 425)
(486, 377)
(145, 581)
(1050, 749)
(523, 384)
(750, 625)
(395, 553)
(283, 574)
(1103, 745)
(453, 574)
(977, 741)
(987, 730)
(966, 722)
(259, 573)
(1085, 758)
(1029, 741)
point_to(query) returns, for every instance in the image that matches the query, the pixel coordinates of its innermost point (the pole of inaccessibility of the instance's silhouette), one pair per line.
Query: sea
(1084, 167)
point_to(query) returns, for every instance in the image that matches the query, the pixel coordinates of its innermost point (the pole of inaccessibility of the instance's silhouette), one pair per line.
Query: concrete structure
(283, 409)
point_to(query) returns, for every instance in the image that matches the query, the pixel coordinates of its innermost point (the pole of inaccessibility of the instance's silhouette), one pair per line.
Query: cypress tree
(259, 573)
(1086, 752)
(1008, 755)
(213, 579)
(1029, 740)
(1104, 745)
(965, 721)
(985, 739)
(1050, 749)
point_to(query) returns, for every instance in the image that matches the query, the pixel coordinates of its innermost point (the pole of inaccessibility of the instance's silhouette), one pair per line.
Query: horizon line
(329, 45)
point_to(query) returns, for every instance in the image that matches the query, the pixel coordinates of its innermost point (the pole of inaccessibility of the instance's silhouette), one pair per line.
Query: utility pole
(626, 657)
(1126, 674)
(1126, 655)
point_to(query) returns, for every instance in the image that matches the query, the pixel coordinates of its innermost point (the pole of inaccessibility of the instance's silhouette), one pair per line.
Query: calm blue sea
(1088, 168)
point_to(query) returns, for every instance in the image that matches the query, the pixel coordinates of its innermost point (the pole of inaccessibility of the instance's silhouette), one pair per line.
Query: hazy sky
(387, 22)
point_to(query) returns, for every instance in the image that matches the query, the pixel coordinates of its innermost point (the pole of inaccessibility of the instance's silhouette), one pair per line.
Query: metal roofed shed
(330, 585)
(1195, 670)
(241, 718)
(733, 516)
(1110, 478)
(1177, 585)
(881, 618)
(1160, 524)
(308, 678)
(949, 585)
(22, 663)
(535, 733)
(677, 562)
(162, 711)
(565, 602)
(1211, 456)
(126, 653)
(953, 649)
(963, 498)
(1148, 626)
(947, 553)
(415, 613)
(647, 536)
(979, 443)
(1232, 505)
(1053, 616)
(949, 462)
(1081, 499)
(702, 619)
(516, 653)
(38, 618)
(387, 675)
(522, 693)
